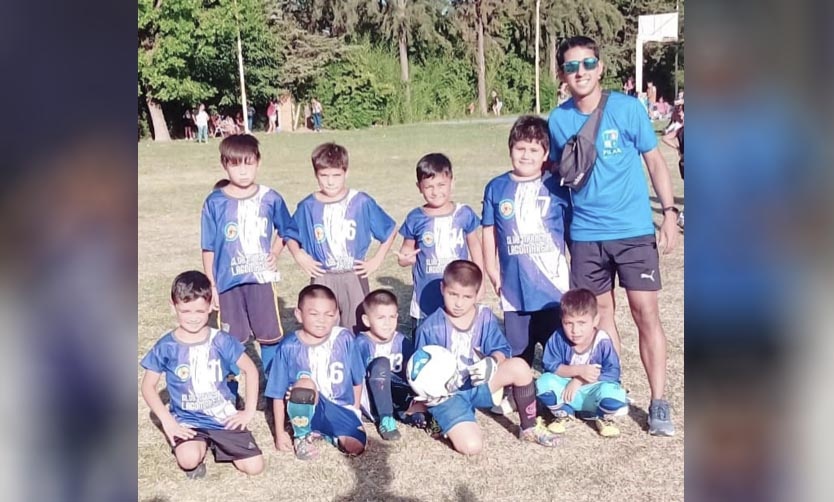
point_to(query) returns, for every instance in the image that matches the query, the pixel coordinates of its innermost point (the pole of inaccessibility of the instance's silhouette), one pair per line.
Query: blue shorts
(333, 420)
(461, 407)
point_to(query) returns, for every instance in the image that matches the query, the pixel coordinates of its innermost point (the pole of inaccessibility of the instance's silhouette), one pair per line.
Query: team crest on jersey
(318, 233)
(506, 209)
(428, 239)
(610, 142)
(183, 372)
(230, 231)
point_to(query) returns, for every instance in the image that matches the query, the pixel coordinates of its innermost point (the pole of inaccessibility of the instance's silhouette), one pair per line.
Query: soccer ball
(432, 373)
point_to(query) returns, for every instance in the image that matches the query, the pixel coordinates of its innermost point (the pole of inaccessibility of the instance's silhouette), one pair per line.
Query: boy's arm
(304, 260)
(491, 266)
(364, 268)
(662, 183)
(610, 371)
(357, 396)
(169, 425)
(283, 441)
(208, 268)
(407, 255)
(476, 254)
(241, 419)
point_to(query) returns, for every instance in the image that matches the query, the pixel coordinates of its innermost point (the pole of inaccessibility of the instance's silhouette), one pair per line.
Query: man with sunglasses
(612, 230)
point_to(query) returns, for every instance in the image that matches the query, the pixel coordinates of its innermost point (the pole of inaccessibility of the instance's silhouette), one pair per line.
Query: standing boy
(243, 227)
(612, 231)
(336, 225)
(471, 333)
(195, 360)
(436, 234)
(317, 380)
(525, 215)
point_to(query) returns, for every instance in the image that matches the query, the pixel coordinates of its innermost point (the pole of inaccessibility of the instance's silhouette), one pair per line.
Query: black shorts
(226, 445)
(594, 264)
(251, 309)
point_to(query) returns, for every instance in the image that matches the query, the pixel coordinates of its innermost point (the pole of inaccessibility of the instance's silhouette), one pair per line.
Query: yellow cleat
(606, 427)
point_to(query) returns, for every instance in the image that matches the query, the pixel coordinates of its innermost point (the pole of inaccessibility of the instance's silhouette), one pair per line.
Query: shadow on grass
(373, 475)
(639, 416)
(464, 494)
(166, 398)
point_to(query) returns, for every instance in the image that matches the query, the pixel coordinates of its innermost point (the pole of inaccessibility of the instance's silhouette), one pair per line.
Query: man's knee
(645, 311)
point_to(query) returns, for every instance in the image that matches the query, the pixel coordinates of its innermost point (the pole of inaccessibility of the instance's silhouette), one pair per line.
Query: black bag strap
(596, 117)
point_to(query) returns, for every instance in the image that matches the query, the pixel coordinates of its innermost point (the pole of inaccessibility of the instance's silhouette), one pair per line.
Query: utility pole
(240, 70)
(538, 24)
(677, 49)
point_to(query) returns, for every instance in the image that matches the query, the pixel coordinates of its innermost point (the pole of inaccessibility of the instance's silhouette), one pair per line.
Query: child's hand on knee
(283, 441)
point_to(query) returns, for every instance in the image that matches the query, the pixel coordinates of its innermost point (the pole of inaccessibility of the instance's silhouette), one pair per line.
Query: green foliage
(515, 82)
(442, 88)
(359, 91)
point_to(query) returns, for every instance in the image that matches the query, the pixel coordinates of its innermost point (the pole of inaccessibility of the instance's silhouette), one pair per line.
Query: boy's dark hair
(189, 286)
(571, 42)
(329, 156)
(464, 273)
(379, 297)
(530, 128)
(221, 183)
(579, 302)
(239, 148)
(431, 165)
(315, 291)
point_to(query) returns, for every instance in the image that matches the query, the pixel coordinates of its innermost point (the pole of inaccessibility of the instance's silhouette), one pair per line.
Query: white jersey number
(337, 373)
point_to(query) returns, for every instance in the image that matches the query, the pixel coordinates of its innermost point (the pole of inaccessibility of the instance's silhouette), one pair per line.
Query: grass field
(175, 178)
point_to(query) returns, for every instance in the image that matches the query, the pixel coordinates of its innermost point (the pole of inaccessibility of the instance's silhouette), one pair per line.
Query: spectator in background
(202, 124)
(251, 117)
(316, 108)
(272, 115)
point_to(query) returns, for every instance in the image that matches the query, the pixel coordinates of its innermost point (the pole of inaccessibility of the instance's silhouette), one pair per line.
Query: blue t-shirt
(558, 351)
(484, 334)
(240, 231)
(195, 376)
(441, 240)
(336, 234)
(614, 203)
(398, 351)
(529, 219)
(334, 365)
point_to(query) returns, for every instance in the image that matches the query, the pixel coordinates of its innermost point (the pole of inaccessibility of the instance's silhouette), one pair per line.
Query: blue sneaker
(388, 428)
(660, 418)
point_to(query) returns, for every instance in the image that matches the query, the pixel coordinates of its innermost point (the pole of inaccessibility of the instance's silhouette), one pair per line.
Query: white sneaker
(506, 407)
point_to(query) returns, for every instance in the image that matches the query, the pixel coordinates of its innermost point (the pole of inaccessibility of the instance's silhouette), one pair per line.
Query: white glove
(483, 369)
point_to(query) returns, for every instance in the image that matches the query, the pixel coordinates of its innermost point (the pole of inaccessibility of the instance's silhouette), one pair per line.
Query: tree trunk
(160, 128)
(479, 32)
(551, 54)
(403, 45)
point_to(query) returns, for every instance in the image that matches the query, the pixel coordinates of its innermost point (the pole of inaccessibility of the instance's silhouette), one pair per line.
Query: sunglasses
(573, 66)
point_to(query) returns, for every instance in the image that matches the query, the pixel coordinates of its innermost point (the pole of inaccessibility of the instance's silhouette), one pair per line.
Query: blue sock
(609, 405)
(267, 355)
(379, 386)
(300, 409)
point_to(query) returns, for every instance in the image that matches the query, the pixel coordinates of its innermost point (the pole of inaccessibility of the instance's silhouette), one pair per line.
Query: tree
(481, 19)
(402, 21)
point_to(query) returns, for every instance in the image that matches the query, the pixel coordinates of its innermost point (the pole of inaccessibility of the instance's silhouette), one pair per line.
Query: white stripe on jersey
(585, 357)
(320, 366)
(205, 374)
(251, 228)
(530, 210)
(338, 231)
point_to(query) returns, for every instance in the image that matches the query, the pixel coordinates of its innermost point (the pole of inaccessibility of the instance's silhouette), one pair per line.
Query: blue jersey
(558, 351)
(614, 203)
(240, 231)
(484, 335)
(398, 351)
(529, 219)
(336, 234)
(441, 240)
(195, 376)
(333, 364)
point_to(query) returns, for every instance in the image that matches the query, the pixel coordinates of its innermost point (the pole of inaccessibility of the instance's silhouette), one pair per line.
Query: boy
(582, 367)
(471, 331)
(195, 360)
(317, 380)
(612, 231)
(336, 225)
(384, 353)
(435, 234)
(524, 221)
(239, 253)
